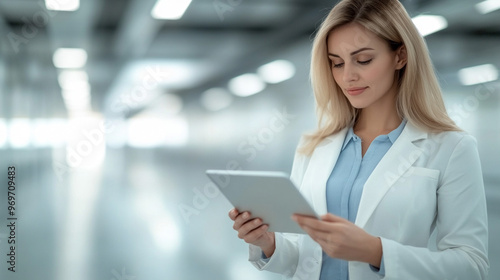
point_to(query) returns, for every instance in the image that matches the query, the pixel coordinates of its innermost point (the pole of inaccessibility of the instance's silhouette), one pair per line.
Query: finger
(307, 230)
(321, 236)
(233, 213)
(249, 226)
(241, 219)
(255, 234)
(333, 218)
(327, 248)
(311, 232)
(311, 222)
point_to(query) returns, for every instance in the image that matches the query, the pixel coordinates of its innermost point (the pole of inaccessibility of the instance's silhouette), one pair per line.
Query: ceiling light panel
(478, 74)
(170, 9)
(489, 6)
(69, 58)
(246, 85)
(276, 71)
(62, 5)
(428, 24)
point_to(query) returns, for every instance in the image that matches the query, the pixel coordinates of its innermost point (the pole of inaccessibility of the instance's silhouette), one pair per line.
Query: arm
(462, 230)
(461, 226)
(284, 260)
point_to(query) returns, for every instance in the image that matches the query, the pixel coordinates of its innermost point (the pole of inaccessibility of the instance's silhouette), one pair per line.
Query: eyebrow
(353, 53)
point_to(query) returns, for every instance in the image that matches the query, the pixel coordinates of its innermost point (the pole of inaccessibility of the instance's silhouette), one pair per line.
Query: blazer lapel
(391, 167)
(320, 167)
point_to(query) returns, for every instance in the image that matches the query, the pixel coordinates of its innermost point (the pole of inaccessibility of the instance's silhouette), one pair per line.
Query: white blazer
(425, 200)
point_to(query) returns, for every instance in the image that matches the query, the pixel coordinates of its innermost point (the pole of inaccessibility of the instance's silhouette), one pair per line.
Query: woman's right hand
(253, 231)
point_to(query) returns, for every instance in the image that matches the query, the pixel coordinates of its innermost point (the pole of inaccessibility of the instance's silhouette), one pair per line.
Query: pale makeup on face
(363, 65)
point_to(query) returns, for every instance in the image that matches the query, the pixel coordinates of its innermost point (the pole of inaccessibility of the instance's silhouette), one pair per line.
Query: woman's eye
(365, 62)
(337, 65)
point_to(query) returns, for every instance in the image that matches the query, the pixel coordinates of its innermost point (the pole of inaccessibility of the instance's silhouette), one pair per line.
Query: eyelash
(366, 62)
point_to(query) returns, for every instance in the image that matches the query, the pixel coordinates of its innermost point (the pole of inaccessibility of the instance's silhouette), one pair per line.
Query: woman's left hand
(341, 239)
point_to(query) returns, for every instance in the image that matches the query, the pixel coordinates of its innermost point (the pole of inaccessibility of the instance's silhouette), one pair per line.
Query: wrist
(269, 249)
(375, 254)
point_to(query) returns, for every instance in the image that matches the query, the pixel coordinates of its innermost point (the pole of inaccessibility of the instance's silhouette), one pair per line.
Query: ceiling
(218, 39)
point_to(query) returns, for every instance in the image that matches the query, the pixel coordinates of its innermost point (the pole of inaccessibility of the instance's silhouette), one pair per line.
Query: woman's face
(363, 65)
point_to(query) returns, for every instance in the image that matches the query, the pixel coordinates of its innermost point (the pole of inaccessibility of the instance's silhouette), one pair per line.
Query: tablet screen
(268, 195)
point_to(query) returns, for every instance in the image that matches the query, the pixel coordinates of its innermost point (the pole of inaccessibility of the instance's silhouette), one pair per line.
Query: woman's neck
(377, 120)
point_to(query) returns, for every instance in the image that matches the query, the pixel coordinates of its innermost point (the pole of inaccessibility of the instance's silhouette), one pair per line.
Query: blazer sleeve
(286, 255)
(461, 226)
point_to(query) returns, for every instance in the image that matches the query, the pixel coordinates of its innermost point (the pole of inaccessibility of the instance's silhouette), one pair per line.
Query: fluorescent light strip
(216, 99)
(48, 132)
(276, 71)
(488, 6)
(73, 79)
(478, 74)
(246, 85)
(170, 9)
(147, 132)
(428, 24)
(70, 58)
(20, 133)
(3, 133)
(62, 5)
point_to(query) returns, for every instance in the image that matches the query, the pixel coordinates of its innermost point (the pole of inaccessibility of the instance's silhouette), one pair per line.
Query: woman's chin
(358, 105)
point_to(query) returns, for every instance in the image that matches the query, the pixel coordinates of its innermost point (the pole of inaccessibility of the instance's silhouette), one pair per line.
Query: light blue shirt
(345, 186)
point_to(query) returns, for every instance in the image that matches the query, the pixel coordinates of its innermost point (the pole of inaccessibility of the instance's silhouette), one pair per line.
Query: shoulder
(444, 140)
(326, 142)
(301, 157)
(300, 163)
(452, 140)
(324, 148)
(455, 149)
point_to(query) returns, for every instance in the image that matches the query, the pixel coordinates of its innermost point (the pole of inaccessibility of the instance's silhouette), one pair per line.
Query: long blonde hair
(419, 97)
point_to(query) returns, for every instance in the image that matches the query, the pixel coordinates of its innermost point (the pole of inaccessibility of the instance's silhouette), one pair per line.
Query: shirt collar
(393, 135)
(348, 137)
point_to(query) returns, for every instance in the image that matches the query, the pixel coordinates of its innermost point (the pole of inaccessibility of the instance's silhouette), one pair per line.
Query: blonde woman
(399, 183)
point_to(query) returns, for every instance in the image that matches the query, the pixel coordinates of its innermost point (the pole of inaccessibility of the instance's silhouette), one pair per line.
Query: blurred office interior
(111, 111)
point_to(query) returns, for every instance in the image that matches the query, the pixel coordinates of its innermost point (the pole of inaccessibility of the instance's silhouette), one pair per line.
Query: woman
(400, 183)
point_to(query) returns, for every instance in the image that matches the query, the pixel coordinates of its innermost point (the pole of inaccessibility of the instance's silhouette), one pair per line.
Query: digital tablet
(268, 195)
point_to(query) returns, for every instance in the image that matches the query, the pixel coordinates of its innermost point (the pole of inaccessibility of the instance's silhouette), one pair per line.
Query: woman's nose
(350, 73)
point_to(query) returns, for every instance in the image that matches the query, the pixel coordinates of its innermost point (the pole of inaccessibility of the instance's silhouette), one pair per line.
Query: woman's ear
(401, 57)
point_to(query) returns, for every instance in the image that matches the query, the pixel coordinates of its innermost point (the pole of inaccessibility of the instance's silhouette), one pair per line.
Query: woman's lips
(356, 91)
